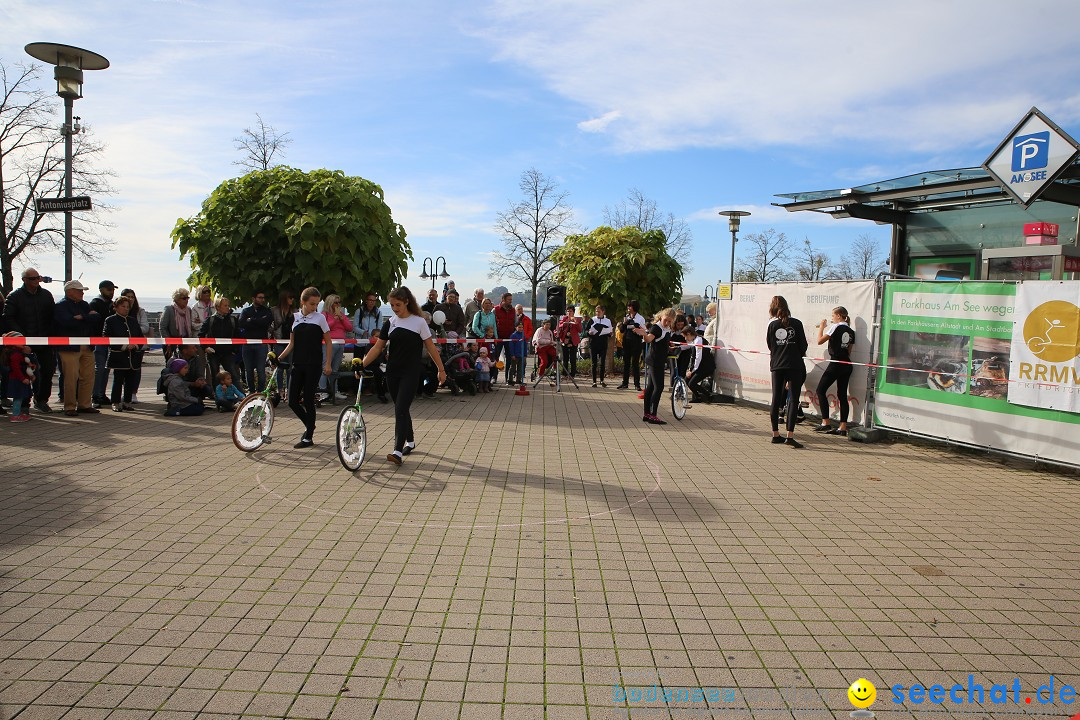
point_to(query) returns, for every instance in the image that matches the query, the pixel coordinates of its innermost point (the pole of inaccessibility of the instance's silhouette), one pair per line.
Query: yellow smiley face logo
(862, 693)
(1052, 331)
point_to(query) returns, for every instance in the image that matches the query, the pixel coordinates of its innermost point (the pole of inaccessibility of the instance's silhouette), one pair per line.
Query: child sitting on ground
(21, 365)
(226, 393)
(483, 370)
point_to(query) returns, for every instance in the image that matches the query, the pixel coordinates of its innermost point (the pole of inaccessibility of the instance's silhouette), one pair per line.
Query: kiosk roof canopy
(888, 201)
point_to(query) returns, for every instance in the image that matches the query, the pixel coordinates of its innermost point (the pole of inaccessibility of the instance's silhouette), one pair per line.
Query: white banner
(1044, 368)
(743, 371)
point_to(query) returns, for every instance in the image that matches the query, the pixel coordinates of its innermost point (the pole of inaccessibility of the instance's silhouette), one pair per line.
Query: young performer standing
(309, 332)
(599, 332)
(659, 335)
(841, 339)
(787, 345)
(408, 335)
(631, 344)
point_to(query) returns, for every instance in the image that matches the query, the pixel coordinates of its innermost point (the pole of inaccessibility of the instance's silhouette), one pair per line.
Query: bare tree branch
(32, 165)
(259, 146)
(767, 257)
(531, 230)
(641, 212)
(812, 264)
(864, 259)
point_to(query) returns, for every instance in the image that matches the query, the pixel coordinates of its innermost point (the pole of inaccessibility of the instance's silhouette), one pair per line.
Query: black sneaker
(778, 440)
(824, 429)
(793, 443)
(43, 407)
(406, 450)
(304, 443)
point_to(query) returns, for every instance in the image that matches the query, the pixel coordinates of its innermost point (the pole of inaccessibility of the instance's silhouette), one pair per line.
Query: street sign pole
(69, 104)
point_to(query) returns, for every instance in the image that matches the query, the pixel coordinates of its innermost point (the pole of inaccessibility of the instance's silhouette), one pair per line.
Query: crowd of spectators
(486, 342)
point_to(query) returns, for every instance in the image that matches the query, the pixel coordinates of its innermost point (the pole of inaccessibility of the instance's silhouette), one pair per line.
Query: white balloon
(439, 317)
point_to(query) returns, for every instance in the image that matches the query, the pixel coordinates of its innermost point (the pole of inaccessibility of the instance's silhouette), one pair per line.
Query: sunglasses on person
(32, 277)
(183, 297)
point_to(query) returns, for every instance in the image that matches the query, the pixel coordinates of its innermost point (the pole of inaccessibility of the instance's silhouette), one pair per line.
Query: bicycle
(680, 391)
(351, 432)
(253, 418)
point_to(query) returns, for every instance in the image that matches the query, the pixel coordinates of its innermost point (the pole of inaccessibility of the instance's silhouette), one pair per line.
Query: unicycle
(680, 393)
(351, 432)
(253, 418)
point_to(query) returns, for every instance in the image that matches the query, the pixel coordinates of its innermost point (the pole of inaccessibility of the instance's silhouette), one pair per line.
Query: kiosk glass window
(1021, 268)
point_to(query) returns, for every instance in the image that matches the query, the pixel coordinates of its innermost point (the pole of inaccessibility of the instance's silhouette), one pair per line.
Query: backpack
(161, 389)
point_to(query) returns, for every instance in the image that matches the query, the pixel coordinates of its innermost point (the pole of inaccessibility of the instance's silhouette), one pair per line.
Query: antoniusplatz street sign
(1033, 155)
(63, 204)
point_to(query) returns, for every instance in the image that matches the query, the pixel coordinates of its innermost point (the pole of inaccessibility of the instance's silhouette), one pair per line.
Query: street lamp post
(70, 63)
(434, 264)
(734, 218)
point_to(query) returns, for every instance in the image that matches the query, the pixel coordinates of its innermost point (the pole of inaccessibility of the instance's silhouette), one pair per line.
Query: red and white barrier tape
(41, 341)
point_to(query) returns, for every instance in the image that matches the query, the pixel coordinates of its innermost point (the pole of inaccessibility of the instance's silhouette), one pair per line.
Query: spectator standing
(432, 301)
(141, 319)
(599, 331)
(447, 288)
(455, 316)
(281, 329)
(103, 305)
(29, 311)
(474, 306)
(569, 332)
(201, 309)
(505, 316)
(72, 318)
(121, 358)
(339, 325)
(516, 351)
(368, 317)
(256, 322)
(483, 319)
(177, 321)
(631, 344)
(222, 325)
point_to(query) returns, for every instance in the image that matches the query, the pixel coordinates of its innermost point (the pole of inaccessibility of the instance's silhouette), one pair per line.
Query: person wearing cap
(72, 317)
(103, 306)
(181, 403)
(29, 310)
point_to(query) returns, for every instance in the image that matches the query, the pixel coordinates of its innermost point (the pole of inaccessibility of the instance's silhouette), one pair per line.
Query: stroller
(460, 373)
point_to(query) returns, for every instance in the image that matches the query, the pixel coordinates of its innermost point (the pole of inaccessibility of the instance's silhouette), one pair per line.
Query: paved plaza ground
(543, 556)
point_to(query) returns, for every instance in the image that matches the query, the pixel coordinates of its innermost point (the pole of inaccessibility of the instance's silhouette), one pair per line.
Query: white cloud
(741, 75)
(599, 124)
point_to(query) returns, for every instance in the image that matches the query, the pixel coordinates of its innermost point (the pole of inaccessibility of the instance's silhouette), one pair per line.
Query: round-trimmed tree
(283, 228)
(611, 267)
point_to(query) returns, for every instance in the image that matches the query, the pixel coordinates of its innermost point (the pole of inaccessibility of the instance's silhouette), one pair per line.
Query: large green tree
(283, 228)
(612, 267)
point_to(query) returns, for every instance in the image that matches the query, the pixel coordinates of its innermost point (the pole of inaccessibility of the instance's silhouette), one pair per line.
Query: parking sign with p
(1031, 152)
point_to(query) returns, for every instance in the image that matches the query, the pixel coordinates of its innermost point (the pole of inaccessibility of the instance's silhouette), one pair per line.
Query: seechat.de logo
(1052, 331)
(1031, 152)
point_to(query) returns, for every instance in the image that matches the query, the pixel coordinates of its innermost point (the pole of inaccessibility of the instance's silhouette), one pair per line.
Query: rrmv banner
(1045, 362)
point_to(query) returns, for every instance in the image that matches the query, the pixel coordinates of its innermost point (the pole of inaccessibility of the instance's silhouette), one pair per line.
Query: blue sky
(702, 106)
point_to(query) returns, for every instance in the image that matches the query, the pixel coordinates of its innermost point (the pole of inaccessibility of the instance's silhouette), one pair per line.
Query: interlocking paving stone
(533, 553)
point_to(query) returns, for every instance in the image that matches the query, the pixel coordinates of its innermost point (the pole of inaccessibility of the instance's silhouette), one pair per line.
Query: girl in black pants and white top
(841, 339)
(309, 332)
(599, 332)
(656, 362)
(408, 335)
(787, 345)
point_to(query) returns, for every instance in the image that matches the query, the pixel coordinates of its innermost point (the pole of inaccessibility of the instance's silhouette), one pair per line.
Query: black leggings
(402, 390)
(631, 360)
(598, 352)
(699, 379)
(654, 388)
(569, 359)
(302, 385)
(795, 376)
(839, 373)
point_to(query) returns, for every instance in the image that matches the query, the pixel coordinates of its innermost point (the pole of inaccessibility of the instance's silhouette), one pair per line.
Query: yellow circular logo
(862, 693)
(1052, 331)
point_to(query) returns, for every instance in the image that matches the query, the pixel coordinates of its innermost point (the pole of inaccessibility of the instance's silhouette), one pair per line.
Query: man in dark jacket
(255, 322)
(455, 316)
(29, 310)
(505, 316)
(73, 317)
(103, 306)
